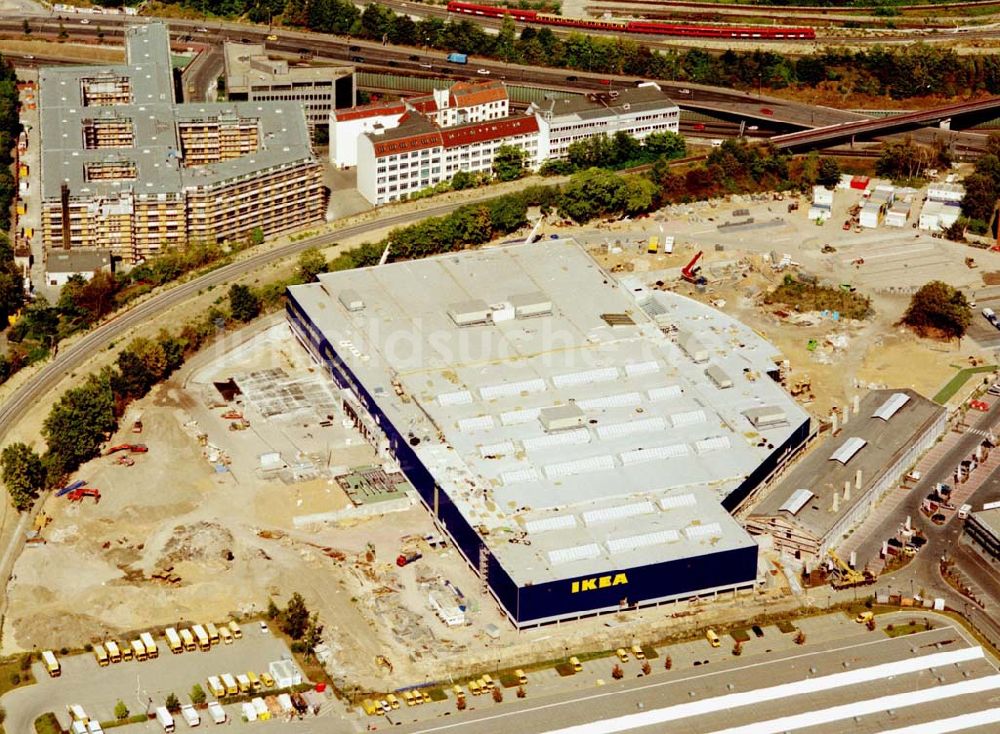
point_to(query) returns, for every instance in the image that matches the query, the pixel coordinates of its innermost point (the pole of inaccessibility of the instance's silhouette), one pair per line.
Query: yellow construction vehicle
(383, 661)
(847, 577)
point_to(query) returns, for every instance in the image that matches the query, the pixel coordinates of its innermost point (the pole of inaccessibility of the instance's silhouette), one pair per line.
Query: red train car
(634, 26)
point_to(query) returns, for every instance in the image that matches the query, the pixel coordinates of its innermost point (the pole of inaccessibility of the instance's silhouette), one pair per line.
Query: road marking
(596, 696)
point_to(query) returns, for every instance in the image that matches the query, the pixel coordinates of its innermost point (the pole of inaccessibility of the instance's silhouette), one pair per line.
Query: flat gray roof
(599, 104)
(639, 479)
(283, 133)
(248, 65)
(990, 520)
(77, 261)
(822, 474)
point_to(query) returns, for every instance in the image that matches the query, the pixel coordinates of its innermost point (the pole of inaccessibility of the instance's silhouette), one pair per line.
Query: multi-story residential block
(126, 169)
(254, 76)
(460, 104)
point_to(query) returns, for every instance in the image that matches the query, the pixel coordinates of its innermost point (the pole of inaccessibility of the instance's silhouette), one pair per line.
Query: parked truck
(215, 687)
(232, 688)
(217, 713)
(405, 559)
(150, 644)
(52, 665)
(138, 650)
(458, 58)
(190, 715)
(113, 652)
(188, 639)
(174, 641)
(235, 629)
(164, 718)
(202, 636)
(213, 633)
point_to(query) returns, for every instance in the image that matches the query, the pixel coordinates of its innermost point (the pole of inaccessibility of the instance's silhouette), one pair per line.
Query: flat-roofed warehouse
(834, 488)
(580, 459)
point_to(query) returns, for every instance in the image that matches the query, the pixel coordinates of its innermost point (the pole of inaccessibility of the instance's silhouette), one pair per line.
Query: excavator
(77, 495)
(692, 271)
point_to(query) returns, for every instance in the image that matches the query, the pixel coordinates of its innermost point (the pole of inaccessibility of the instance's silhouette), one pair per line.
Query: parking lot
(138, 684)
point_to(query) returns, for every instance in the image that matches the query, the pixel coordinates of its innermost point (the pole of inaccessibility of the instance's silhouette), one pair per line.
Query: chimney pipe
(833, 423)
(857, 480)
(847, 491)
(857, 405)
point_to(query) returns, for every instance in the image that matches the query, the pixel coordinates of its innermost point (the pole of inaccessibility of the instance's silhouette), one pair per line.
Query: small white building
(449, 613)
(61, 265)
(285, 673)
(937, 216)
(871, 214)
(822, 196)
(949, 193)
(898, 214)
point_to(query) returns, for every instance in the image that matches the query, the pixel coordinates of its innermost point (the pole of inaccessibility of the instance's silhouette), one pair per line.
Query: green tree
(508, 163)
(462, 180)
(172, 703)
(121, 710)
(23, 474)
(902, 159)
(79, 422)
(243, 302)
(198, 696)
(313, 636)
(311, 265)
(828, 172)
(665, 144)
(142, 364)
(273, 612)
(593, 193)
(505, 47)
(938, 310)
(257, 236)
(296, 617)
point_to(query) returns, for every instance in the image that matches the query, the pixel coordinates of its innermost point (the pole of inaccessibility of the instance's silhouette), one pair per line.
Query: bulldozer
(800, 387)
(381, 661)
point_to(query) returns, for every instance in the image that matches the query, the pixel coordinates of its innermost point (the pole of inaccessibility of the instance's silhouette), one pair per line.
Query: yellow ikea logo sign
(600, 582)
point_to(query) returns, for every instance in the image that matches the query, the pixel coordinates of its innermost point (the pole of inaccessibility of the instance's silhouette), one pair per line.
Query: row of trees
(11, 288)
(616, 152)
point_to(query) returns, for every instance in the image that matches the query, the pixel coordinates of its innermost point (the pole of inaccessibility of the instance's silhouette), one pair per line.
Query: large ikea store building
(582, 440)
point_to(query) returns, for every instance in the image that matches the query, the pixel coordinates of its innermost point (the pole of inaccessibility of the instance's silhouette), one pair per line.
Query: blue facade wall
(758, 475)
(680, 578)
(645, 584)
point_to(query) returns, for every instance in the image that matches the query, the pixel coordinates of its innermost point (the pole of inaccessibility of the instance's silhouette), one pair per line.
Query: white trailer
(217, 713)
(202, 637)
(150, 644)
(190, 715)
(174, 640)
(164, 718)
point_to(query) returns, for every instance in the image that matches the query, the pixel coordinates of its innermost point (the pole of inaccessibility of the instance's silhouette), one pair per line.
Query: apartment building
(417, 154)
(252, 75)
(460, 104)
(126, 169)
(638, 112)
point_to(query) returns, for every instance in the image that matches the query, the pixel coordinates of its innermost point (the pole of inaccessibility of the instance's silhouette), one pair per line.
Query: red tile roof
(479, 132)
(377, 109)
(410, 143)
(469, 94)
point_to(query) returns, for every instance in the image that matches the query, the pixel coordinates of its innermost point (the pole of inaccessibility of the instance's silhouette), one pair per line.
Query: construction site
(244, 477)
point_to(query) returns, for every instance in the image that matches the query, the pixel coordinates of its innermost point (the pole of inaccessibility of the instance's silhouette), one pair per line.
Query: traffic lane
(871, 546)
(860, 649)
(98, 689)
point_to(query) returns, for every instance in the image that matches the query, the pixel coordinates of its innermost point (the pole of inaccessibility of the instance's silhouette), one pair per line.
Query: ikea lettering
(599, 582)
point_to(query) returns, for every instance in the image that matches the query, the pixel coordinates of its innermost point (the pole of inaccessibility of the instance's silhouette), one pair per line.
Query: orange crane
(77, 495)
(692, 271)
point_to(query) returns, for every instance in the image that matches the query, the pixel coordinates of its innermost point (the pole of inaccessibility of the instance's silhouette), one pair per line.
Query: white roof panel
(664, 393)
(556, 522)
(503, 448)
(891, 406)
(702, 531)
(587, 377)
(576, 553)
(517, 417)
(460, 397)
(478, 423)
(633, 542)
(574, 437)
(797, 501)
(654, 453)
(511, 389)
(710, 444)
(675, 501)
(621, 400)
(848, 449)
(617, 430)
(642, 368)
(617, 512)
(687, 418)
(519, 476)
(580, 466)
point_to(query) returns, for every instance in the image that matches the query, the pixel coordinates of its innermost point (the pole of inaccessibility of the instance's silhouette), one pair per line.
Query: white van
(164, 718)
(190, 715)
(963, 511)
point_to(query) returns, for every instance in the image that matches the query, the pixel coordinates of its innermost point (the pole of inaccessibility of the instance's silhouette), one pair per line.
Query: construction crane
(848, 577)
(692, 271)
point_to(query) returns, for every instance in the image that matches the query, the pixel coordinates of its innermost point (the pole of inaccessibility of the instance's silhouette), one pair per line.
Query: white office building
(460, 104)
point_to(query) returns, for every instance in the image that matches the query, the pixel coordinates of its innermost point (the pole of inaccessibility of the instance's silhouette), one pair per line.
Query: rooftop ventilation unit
(527, 305)
(891, 406)
(797, 501)
(848, 449)
(560, 556)
(692, 347)
(719, 377)
(634, 542)
(544, 524)
(766, 416)
(561, 417)
(675, 501)
(617, 512)
(693, 532)
(655, 453)
(469, 313)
